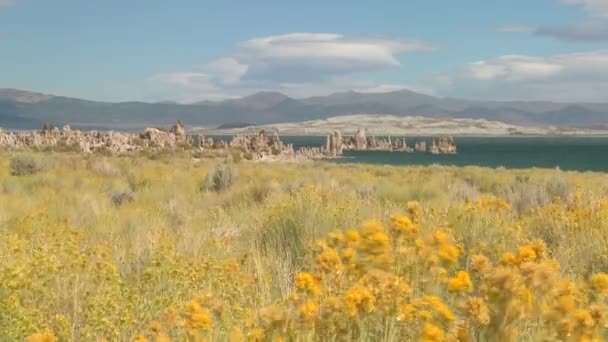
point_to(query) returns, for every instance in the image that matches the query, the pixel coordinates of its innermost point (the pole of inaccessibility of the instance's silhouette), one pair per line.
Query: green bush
(219, 179)
(23, 165)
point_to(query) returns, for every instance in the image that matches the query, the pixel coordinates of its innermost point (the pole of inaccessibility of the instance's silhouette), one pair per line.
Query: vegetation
(26, 164)
(219, 179)
(125, 248)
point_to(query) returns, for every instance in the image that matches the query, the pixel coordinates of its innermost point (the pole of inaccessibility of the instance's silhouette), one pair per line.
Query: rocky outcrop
(360, 139)
(361, 142)
(334, 145)
(443, 145)
(259, 146)
(89, 141)
(179, 132)
(420, 146)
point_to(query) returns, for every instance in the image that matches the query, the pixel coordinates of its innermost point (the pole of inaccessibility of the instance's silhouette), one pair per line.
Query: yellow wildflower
(329, 260)
(584, 318)
(478, 310)
(599, 282)
(403, 225)
(358, 299)
(256, 335)
(406, 312)
(307, 282)
(309, 310)
(439, 307)
(44, 336)
(349, 256)
(480, 263)
(198, 318)
(527, 253)
(460, 283)
(352, 237)
(508, 259)
(432, 333)
(449, 253)
(375, 241)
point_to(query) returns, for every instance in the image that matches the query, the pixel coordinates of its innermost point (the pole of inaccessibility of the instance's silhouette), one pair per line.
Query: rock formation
(334, 144)
(89, 141)
(179, 131)
(444, 145)
(420, 146)
(257, 146)
(360, 140)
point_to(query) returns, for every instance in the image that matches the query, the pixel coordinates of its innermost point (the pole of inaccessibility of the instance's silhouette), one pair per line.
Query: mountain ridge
(22, 109)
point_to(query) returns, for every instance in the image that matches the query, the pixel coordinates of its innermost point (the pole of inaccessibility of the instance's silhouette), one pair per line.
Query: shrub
(236, 156)
(220, 179)
(120, 198)
(23, 165)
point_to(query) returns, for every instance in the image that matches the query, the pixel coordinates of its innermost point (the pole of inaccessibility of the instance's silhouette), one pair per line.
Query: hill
(23, 109)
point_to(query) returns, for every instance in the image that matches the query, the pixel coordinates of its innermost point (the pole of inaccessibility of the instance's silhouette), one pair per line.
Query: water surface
(567, 153)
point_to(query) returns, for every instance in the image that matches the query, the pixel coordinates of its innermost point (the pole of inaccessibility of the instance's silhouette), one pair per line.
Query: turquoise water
(567, 153)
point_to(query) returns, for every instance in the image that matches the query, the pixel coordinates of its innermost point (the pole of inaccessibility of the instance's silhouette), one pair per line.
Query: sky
(195, 50)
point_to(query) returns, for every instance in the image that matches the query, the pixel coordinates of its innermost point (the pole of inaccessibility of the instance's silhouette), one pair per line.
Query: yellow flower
(449, 253)
(432, 333)
(307, 282)
(198, 318)
(527, 253)
(508, 259)
(256, 335)
(162, 337)
(439, 307)
(349, 256)
(140, 338)
(44, 336)
(352, 237)
(374, 239)
(329, 260)
(480, 263)
(441, 237)
(584, 318)
(460, 283)
(406, 312)
(599, 282)
(358, 299)
(403, 225)
(309, 310)
(477, 309)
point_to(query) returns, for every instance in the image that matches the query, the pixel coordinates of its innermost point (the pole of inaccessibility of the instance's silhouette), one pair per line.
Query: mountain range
(26, 110)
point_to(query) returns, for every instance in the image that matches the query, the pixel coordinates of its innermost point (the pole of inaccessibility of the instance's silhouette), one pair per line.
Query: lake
(567, 153)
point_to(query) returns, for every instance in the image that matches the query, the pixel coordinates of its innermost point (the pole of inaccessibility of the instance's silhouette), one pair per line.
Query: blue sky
(187, 51)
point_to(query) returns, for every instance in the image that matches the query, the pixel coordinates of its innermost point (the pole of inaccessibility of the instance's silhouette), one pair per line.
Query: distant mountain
(22, 109)
(22, 96)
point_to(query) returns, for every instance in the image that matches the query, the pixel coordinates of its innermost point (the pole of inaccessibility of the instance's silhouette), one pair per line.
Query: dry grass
(288, 252)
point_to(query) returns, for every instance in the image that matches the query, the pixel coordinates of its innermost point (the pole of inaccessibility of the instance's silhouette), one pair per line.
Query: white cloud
(594, 26)
(322, 52)
(228, 69)
(299, 64)
(566, 77)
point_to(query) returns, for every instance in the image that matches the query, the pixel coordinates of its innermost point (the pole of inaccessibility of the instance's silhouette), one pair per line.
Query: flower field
(171, 248)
